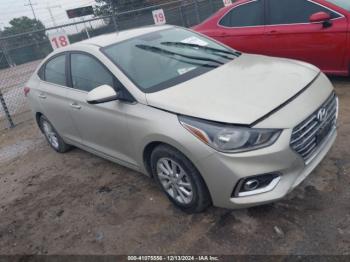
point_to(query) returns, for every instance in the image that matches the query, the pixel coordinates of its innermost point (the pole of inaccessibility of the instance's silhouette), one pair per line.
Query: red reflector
(26, 91)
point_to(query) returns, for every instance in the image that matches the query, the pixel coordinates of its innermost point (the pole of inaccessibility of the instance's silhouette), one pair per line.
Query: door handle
(75, 106)
(273, 32)
(42, 96)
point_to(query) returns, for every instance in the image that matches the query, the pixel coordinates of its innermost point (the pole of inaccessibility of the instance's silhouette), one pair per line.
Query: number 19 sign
(227, 2)
(159, 17)
(59, 40)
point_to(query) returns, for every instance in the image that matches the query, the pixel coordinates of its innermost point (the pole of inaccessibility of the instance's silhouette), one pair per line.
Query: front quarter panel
(147, 125)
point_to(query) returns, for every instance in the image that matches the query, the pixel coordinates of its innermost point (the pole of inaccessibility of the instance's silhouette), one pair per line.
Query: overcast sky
(15, 8)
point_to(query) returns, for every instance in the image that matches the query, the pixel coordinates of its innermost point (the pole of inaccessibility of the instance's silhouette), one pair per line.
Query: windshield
(345, 4)
(165, 58)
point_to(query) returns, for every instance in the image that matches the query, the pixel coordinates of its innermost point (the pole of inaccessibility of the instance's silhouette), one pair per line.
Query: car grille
(310, 133)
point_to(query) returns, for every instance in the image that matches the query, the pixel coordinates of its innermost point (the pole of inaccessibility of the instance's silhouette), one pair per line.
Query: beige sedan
(211, 125)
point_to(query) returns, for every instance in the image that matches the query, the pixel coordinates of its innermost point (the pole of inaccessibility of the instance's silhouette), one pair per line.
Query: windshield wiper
(204, 48)
(159, 50)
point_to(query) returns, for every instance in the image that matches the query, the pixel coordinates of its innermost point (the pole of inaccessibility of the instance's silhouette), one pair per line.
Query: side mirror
(102, 94)
(321, 17)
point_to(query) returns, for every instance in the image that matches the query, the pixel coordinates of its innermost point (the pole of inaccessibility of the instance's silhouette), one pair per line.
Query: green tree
(106, 7)
(23, 24)
(29, 45)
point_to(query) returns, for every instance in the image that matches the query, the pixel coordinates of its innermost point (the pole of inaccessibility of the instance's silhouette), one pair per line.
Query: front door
(103, 126)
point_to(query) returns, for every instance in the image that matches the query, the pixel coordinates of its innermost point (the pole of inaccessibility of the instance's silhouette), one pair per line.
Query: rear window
(249, 14)
(55, 70)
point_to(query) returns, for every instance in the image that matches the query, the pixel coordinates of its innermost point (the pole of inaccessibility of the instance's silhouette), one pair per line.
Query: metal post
(31, 6)
(135, 18)
(86, 30)
(196, 7)
(76, 25)
(6, 110)
(49, 8)
(182, 16)
(114, 14)
(212, 6)
(115, 21)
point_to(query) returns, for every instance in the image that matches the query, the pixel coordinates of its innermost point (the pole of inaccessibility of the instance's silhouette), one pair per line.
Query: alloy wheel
(175, 180)
(50, 134)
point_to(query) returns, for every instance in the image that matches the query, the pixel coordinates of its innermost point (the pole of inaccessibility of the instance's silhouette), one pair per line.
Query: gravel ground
(77, 203)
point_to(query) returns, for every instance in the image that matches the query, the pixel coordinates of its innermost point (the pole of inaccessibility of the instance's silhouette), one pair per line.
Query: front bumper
(222, 172)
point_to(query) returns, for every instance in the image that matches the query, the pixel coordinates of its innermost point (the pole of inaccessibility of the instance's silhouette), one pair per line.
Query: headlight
(229, 138)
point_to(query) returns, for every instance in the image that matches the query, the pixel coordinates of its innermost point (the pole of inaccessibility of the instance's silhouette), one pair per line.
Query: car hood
(239, 92)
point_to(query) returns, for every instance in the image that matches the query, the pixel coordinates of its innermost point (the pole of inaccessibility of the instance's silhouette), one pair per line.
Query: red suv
(315, 31)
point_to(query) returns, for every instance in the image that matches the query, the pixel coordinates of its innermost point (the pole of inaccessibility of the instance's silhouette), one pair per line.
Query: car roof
(112, 38)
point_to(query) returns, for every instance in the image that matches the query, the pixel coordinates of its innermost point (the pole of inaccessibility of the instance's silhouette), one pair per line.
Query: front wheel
(179, 179)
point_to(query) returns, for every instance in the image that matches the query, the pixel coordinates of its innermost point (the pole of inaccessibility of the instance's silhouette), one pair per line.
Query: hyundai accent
(211, 125)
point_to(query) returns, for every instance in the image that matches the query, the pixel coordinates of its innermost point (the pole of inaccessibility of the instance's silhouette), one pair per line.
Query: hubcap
(175, 180)
(50, 134)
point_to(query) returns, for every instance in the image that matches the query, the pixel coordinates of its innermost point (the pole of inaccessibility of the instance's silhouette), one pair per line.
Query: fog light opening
(256, 185)
(251, 184)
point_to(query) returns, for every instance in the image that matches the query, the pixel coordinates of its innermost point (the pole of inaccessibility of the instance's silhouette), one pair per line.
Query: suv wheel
(52, 137)
(179, 179)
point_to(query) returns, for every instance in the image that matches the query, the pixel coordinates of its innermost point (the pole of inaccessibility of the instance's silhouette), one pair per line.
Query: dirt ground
(78, 203)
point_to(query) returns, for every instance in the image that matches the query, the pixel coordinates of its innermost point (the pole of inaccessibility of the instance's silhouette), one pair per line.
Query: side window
(88, 73)
(250, 14)
(41, 72)
(55, 70)
(294, 11)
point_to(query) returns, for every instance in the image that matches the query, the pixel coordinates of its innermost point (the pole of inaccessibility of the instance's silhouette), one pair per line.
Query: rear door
(102, 126)
(242, 27)
(53, 96)
(291, 35)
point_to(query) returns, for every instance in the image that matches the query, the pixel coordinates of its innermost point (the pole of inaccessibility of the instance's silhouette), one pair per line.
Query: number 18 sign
(59, 40)
(159, 17)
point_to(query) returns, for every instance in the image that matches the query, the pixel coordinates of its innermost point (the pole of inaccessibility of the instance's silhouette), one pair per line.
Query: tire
(179, 180)
(52, 136)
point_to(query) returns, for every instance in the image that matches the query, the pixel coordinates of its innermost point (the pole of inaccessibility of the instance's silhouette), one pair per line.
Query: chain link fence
(20, 54)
